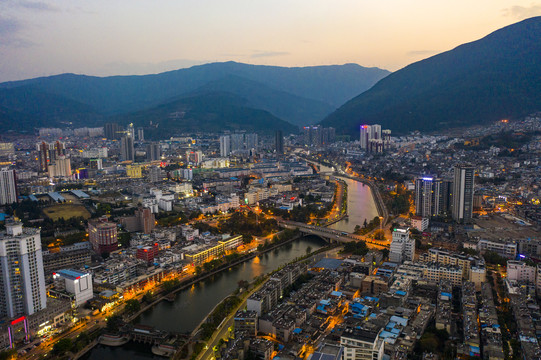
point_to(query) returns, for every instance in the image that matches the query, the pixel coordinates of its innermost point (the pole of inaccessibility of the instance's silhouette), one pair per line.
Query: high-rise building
(61, 167)
(22, 276)
(130, 131)
(402, 247)
(8, 187)
(374, 139)
(463, 193)
(328, 135)
(102, 235)
(140, 134)
(194, 157)
(127, 151)
(153, 151)
(365, 136)
(113, 131)
(225, 145)
(432, 196)
(279, 142)
(424, 196)
(43, 156)
(237, 142)
(155, 174)
(375, 132)
(250, 141)
(56, 150)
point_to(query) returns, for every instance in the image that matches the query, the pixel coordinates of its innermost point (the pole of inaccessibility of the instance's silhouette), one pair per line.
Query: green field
(66, 211)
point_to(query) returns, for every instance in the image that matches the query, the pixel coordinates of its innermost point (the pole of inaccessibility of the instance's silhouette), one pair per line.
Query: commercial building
(463, 193)
(361, 344)
(76, 284)
(8, 187)
(22, 276)
(402, 247)
(147, 253)
(102, 235)
(134, 171)
(200, 254)
(520, 271)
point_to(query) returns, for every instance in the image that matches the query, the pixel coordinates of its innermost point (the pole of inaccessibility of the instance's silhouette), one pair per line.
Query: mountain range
(300, 96)
(496, 77)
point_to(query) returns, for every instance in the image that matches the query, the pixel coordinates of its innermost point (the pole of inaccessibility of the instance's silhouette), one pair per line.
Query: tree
(379, 235)
(132, 306)
(147, 298)
(243, 284)
(62, 346)
(114, 322)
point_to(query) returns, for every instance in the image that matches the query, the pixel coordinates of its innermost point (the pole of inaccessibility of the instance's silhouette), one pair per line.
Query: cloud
(422, 52)
(523, 12)
(260, 54)
(9, 33)
(37, 6)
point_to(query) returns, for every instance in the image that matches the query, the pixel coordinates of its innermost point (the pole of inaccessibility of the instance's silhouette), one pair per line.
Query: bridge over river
(331, 235)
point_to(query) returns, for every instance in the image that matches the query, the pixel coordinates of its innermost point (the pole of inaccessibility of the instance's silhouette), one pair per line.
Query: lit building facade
(22, 275)
(102, 235)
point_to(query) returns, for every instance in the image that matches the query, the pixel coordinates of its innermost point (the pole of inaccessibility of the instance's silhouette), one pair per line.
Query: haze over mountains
(296, 95)
(497, 77)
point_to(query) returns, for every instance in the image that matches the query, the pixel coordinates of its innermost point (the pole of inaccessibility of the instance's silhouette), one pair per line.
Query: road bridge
(330, 235)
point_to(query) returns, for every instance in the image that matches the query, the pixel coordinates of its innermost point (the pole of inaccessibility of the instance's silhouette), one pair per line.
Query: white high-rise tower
(22, 287)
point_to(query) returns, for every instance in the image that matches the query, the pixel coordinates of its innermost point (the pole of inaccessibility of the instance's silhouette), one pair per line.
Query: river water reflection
(193, 304)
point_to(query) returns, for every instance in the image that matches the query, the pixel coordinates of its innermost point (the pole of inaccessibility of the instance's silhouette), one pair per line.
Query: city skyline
(42, 38)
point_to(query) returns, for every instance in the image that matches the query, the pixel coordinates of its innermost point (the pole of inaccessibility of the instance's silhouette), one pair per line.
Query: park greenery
(396, 201)
(367, 226)
(216, 317)
(356, 248)
(132, 306)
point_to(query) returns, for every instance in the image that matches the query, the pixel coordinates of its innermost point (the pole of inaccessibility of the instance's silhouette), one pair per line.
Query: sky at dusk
(109, 37)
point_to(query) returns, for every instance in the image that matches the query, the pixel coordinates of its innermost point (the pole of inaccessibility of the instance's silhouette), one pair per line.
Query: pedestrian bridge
(330, 235)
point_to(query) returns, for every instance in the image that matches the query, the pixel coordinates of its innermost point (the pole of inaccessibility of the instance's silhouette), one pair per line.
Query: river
(193, 304)
(361, 203)
(361, 206)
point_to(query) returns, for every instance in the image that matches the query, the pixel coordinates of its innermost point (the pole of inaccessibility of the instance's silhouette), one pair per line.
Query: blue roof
(336, 293)
(325, 302)
(80, 194)
(328, 263)
(399, 320)
(400, 292)
(71, 274)
(33, 198)
(297, 331)
(56, 196)
(3, 216)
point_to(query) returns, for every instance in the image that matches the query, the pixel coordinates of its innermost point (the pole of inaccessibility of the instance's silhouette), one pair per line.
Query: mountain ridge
(478, 82)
